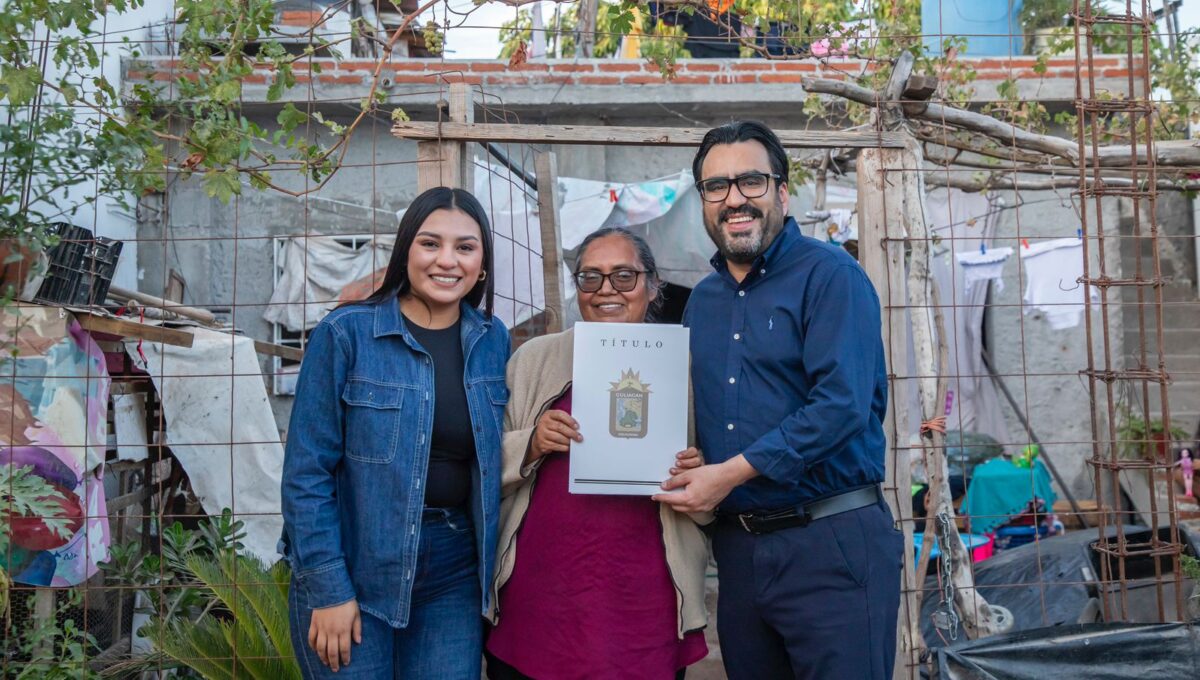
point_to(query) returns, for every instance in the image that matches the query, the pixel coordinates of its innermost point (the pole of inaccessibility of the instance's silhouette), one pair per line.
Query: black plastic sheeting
(1096, 651)
(1047, 583)
(1051, 573)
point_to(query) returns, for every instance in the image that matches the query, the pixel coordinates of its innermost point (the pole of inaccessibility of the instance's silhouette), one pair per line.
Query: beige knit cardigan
(538, 374)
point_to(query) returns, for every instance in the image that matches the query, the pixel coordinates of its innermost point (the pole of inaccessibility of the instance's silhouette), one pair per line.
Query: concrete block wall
(1180, 311)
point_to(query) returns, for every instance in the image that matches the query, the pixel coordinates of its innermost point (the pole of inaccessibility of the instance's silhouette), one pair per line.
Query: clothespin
(612, 195)
(1025, 243)
(1079, 234)
(142, 319)
(982, 248)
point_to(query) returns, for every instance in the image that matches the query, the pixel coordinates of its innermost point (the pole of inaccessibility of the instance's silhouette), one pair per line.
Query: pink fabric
(590, 595)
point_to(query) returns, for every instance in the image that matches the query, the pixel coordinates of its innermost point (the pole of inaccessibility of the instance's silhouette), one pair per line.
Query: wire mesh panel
(191, 186)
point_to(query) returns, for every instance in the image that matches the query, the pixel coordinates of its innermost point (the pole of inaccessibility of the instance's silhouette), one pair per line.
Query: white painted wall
(120, 33)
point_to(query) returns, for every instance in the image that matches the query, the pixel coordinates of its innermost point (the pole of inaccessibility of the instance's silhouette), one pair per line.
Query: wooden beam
(546, 167)
(919, 87)
(1002, 132)
(115, 505)
(893, 115)
(629, 136)
(443, 161)
(292, 353)
(133, 329)
(202, 315)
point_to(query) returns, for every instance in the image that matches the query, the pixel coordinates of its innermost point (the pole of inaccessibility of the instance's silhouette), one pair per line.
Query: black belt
(762, 523)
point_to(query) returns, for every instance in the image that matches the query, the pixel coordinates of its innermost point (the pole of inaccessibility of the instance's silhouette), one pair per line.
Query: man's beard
(744, 247)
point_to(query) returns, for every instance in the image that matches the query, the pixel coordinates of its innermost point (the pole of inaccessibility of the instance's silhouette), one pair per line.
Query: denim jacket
(358, 451)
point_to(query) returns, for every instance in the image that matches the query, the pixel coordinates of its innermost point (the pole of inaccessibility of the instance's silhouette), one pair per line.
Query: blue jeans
(444, 636)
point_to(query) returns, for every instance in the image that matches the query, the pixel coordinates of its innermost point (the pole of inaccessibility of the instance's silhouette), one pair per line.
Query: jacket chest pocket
(497, 393)
(373, 420)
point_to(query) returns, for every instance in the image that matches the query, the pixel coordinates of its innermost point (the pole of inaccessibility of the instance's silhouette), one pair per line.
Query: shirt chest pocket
(374, 414)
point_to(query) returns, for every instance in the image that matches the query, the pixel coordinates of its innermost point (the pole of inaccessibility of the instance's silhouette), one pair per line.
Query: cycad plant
(246, 633)
(215, 613)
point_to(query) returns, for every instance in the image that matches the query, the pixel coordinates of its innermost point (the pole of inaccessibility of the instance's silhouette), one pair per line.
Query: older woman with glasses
(604, 586)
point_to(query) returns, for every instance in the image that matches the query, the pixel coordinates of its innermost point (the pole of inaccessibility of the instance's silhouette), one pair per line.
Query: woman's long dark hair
(395, 281)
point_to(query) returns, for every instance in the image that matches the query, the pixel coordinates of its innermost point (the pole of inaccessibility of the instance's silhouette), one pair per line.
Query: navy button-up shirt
(788, 370)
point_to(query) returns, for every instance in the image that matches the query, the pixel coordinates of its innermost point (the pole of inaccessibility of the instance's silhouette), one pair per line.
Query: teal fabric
(1000, 490)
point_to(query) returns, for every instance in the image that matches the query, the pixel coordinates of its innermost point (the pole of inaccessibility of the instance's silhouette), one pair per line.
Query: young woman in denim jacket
(391, 482)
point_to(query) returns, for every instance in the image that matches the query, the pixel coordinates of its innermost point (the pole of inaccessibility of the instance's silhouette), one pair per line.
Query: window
(285, 371)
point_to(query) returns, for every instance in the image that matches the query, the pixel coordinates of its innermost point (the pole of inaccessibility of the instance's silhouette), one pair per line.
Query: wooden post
(881, 251)
(931, 348)
(448, 163)
(546, 167)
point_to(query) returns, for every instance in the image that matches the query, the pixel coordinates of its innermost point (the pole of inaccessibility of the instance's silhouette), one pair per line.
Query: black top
(452, 445)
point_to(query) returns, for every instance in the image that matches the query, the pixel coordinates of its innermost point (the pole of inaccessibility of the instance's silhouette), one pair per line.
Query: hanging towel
(985, 266)
(1052, 270)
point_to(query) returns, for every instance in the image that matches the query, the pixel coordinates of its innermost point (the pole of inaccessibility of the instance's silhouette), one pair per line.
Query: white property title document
(629, 393)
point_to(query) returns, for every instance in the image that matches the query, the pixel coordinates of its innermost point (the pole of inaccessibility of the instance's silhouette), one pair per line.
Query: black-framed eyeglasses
(750, 185)
(622, 280)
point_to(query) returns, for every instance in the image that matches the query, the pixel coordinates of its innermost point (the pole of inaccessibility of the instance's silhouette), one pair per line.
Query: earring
(482, 277)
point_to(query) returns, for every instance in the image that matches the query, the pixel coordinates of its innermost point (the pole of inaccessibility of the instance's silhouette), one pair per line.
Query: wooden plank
(292, 353)
(443, 162)
(629, 136)
(133, 329)
(119, 503)
(881, 252)
(546, 167)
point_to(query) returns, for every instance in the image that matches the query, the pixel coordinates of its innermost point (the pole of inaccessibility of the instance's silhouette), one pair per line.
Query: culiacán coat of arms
(629, 404)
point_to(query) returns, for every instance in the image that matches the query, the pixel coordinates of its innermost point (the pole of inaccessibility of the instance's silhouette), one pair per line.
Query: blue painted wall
(990, 26)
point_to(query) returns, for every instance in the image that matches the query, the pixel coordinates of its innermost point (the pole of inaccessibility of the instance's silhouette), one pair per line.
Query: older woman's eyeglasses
(750, 185)
(622, 280)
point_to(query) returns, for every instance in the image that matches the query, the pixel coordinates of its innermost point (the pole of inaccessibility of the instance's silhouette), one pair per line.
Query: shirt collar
(782, 243)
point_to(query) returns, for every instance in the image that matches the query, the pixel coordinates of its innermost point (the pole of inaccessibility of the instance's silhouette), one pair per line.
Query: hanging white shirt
(1052, 270)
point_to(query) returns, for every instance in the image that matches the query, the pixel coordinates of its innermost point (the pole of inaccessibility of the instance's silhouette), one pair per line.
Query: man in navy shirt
(790, 394)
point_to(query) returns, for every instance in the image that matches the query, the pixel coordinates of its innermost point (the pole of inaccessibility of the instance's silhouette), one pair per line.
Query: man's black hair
(744, 131)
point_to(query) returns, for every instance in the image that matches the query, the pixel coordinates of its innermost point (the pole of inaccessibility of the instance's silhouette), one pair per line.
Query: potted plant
(1138, 438)
(1042, 20)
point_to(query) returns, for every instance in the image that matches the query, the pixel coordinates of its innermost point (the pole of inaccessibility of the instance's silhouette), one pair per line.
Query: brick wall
(626, 73)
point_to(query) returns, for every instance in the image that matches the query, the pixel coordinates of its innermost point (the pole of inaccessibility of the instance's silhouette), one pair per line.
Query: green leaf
(222, 185)
(20, 84)
(399, 115)
(228, 91)
(290, 118)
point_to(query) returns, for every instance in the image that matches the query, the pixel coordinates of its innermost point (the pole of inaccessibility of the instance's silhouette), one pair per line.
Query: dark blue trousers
(815, 602)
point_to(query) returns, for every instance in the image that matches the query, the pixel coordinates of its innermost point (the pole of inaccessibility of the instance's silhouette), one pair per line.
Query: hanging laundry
(985, 265)
(842, 226)
(1051, 287)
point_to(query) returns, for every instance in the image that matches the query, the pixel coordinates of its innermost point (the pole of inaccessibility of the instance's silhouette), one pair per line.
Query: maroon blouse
(590, 594)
